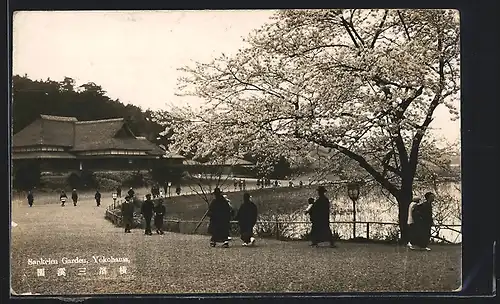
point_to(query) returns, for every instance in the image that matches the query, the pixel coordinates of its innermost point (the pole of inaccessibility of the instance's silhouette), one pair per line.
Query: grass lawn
(178, 263)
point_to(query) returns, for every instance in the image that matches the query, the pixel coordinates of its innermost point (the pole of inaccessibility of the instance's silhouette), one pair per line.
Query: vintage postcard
(235, 151)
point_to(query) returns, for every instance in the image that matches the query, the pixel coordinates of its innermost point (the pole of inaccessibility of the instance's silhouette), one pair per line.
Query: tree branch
(404, 25)
(379, 30)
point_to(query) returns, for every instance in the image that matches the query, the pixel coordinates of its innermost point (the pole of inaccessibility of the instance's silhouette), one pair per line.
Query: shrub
(27, 175)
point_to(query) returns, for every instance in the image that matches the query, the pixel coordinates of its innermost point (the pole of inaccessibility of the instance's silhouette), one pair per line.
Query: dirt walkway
(99, 258)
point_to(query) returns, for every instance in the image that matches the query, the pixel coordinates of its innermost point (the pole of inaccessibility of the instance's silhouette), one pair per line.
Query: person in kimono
(178, 190)
(97, 197)
(310, 203)
(63, 197)
(219, 212)
(159, 211)
(74, 197)
(247, 217)
(30, 198)
(422, 223)
(119, 191)
(128, 214)
(320, 218)
(147, 212)
(131, 192)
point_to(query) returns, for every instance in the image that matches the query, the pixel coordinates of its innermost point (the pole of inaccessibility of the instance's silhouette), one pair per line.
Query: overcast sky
(134, 56)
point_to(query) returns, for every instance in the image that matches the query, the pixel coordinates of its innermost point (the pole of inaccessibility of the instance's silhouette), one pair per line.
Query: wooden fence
(177, 225)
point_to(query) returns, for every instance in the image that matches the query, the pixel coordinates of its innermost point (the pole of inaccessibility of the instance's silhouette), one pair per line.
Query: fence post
(367, 230)
(277, 230)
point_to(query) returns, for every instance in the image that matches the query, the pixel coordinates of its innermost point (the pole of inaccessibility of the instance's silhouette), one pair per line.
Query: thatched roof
(77, 136)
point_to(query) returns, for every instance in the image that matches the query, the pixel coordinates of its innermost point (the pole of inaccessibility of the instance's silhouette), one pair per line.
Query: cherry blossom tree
(364, 83)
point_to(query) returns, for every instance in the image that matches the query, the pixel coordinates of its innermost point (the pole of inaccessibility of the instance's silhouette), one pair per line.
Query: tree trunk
(404, 199)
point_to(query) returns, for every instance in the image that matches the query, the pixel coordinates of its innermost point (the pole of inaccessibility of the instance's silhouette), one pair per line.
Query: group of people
(74, 196)
(220, 212)
(420, 222)
(148, 210)
(241, 183)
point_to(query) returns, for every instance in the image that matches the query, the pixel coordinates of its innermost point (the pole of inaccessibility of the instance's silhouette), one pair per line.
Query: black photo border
(479, 125)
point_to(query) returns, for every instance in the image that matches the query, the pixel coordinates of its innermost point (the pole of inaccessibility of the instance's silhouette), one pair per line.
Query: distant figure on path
(241, 184)
(178, 190)
(159, 211)
(63, 197)
(301, 184)
(147, 212)
(219, 212)
(30, 198)
(422, 217)
(276, 183)
(119, 191)
(128, 214)
(244, 185)
(74, 197)
(97, 197)
(235, 182)
(320, 218)
(258, 183)
(247, 217)
(131, 192)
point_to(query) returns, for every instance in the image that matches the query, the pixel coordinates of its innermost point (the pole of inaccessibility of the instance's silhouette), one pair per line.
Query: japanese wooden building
(65, 144)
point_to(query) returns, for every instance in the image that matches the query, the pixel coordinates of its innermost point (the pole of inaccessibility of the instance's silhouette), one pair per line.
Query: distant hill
(86, 102)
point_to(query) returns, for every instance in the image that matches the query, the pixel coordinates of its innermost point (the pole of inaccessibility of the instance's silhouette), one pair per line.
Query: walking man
(30, 198)
(74, 197)
(147, 212)
(159, 211)
(127, 214)
(219, 213)
(63, 197)
(247, 217)
(97, 197)
(320, 218)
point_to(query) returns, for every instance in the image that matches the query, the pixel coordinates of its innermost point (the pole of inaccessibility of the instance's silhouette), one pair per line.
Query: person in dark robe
(153, 191)
(159, 211)
(165, 189)
(119, 191)
(247, 217)
(147, 212)
(97, 197)
(276, 183)
(320, 218)
(74, 197)
(258, 183)
(131, 192)
(219, 212)
(63, 197)
(127, 213)
(178, 190)
(30, 198)
(301, 184)
(235, 183)
(244, 185)
(422, 217)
